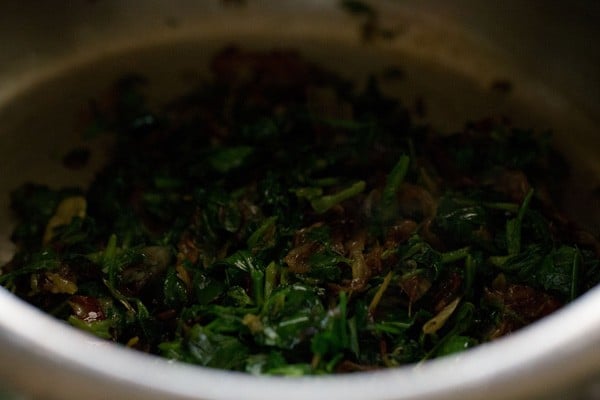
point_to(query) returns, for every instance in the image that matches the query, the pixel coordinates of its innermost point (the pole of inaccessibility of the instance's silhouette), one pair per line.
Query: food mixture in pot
(281, 220)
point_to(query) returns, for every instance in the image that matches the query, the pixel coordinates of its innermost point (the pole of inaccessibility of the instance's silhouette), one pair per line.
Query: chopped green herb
(245, 226)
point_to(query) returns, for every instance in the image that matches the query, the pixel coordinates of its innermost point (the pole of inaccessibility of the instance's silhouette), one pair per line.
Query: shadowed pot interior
(56, 58)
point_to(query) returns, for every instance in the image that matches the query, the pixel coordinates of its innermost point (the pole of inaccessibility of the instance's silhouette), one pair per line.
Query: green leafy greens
(278, 221)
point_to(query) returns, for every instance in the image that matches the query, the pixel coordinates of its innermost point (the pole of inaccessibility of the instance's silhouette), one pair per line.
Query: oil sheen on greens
(279, 220)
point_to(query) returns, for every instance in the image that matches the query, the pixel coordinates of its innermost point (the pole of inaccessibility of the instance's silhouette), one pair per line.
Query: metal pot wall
(56, 55)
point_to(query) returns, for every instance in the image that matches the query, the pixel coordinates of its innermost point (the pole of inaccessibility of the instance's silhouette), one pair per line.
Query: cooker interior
(43, 113)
